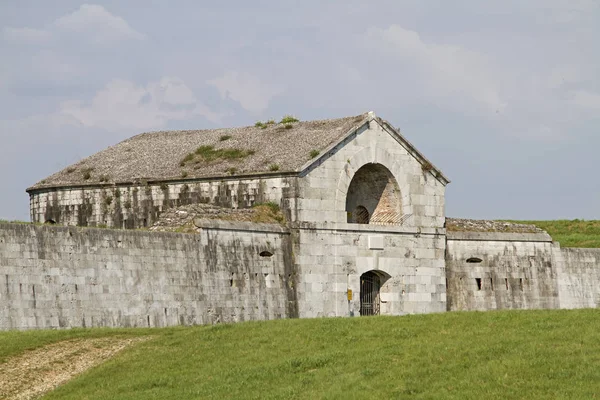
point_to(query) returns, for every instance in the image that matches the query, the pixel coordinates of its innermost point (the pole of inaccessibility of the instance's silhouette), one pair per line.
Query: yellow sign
(349, 294)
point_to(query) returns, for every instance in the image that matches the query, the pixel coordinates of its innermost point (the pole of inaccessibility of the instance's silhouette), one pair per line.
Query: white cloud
(92, 23)
(565, 12)
(28, 35)
(252, 94)
(447, 74)
(586, 99)
(123, 104)
(97, 22)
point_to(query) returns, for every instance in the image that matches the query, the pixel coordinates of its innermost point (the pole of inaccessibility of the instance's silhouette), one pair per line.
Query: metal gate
(369, 294)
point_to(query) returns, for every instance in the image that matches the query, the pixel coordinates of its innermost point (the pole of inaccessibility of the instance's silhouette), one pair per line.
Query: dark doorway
(370, 283)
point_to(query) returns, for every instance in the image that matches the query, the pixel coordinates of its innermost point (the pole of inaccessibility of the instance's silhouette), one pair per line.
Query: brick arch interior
(373, 196)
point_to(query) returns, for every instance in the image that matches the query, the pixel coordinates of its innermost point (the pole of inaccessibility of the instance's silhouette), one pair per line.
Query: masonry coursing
(368, 208)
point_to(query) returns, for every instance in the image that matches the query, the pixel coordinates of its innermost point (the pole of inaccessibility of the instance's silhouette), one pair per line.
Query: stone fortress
(340, 217)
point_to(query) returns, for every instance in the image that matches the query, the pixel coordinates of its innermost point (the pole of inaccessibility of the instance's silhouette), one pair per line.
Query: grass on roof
(459, 355)
(288, 119)
(264, 125)
(209, 153)
(571, 233)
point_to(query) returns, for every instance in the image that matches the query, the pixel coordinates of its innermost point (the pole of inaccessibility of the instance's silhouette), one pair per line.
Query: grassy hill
(575, 233)
(508, 355)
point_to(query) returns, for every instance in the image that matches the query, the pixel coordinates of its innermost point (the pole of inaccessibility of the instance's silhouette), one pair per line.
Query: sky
(502, 96)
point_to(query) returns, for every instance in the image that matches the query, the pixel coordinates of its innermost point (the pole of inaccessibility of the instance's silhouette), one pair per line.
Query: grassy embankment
(508, 355)
(575, 233)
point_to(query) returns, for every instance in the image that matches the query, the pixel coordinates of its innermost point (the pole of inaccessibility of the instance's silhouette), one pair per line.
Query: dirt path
(36, 372)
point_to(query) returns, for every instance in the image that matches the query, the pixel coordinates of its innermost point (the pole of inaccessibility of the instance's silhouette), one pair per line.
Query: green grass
(264, 125)
(209, 153)
(575, 233)
(288, 119)
(504, 355)
(16, 221)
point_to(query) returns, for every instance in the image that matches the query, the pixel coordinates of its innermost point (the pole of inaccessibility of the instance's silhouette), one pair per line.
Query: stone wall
(331, 258)
(489, 271)
(325, 188)
(52, 277)
(578, 277)
(139, 204)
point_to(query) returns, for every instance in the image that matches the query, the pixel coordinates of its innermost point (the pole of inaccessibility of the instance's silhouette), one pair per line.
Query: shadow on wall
(373, 196)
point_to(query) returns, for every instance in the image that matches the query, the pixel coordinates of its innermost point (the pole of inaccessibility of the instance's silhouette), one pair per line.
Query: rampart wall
(578, 277)
(494, 270)
(55, 277)
(52, 277)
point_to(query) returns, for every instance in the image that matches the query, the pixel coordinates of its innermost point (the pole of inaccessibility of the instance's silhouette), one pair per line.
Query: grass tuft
(314, 153)
(204, 154)
(264, 125)
(268, 212)
(288, 119)
(87, 173)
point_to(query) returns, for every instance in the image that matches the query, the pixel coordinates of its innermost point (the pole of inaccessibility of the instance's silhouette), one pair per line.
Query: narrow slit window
(492, 284)
(478, 281)
(265, 253)
(474, 260)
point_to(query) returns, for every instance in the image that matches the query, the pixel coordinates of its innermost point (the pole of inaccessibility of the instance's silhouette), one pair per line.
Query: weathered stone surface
(56, 277)
(478, 225)
(578, 277)
(501, 274)
(519, 270)
(181, 219)
(140, 205)
(361, 224)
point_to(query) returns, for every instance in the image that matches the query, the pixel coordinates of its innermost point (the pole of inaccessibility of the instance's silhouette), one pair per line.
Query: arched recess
(370, 292)
(373, 196)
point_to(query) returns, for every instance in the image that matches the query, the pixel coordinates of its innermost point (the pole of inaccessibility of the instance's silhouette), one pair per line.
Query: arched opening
(374, 197)
(370, 292)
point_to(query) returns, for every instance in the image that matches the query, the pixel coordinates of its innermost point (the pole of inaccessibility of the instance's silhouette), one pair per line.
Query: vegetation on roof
(264, 125)
(458, 355)
(159, 156)
(209, 153)
(480, 225)
(288, 119)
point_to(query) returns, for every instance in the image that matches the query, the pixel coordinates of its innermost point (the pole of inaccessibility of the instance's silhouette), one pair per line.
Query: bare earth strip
(38, 371)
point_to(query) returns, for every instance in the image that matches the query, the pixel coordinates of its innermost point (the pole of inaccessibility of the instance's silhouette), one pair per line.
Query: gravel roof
(479, 225)
(158, 155)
